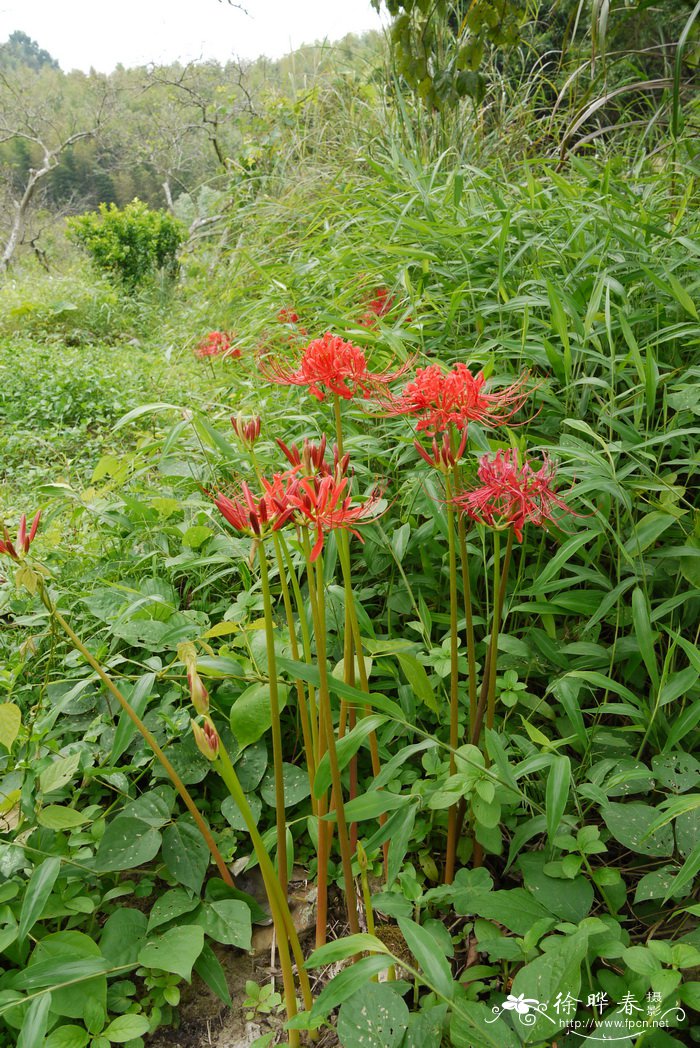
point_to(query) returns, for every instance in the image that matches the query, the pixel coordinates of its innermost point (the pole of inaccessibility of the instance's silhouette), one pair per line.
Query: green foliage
(439, 47)
(130, 244)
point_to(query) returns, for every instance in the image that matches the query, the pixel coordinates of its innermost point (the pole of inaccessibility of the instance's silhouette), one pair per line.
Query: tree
(21, 50)
(42, 115)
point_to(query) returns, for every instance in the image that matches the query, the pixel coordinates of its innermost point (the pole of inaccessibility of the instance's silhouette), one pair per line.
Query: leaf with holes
(374, 1017)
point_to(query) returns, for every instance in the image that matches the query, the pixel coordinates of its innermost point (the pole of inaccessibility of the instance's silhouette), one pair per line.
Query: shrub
(130, 244)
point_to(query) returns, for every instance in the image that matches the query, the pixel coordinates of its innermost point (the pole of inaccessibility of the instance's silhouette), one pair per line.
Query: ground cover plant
(381, 572)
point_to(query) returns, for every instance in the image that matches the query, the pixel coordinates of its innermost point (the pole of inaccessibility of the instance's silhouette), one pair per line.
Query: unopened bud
(207, 738)
(198, 693)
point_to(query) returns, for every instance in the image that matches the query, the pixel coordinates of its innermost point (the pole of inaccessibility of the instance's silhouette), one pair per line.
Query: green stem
(284, 926)
(451, 849)
(325, 702)
(277, 752)
(299, 685)
(495, 629)
(305, 639)
(141, 727)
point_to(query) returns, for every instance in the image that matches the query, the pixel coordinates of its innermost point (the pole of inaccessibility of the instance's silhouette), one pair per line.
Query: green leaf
(209, 969)
(227, 922)
(346, 983)
(647, 531)
(515, 908)
(568, 899)
(126, 843)
(251, 714)
(175, 951)
(372, 804)
(557, 795)
(57, 817)
(126, 1028)
(346, 748)
(469, 1028)
(646, 638)
(687, 872)
(122, 936)
(69, 1036)
(59, 773)
(10, 723)
(296, 785)
(169, 906)
(185, 852)
(301, 671)
(57, 960)
(630, 823)
(35, 1022)
(558, 971)
(429, 955)
(37, 894)
(374, 1017)
(419, 680)
(138, 700)
(341, 949)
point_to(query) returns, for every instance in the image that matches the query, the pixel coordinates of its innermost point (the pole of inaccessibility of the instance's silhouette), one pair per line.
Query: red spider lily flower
(16, 550)
(207, 738)
(288, 316)
(510, 496)
(338, 366)
(457, 397)
(443, 456)
(247, 430)
(255, 515)
(216, 344)
(322, 503)
(378, 304)
(312, 458)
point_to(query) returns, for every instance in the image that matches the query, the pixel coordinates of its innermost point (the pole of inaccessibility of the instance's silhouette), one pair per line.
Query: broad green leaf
(174, 951)
(472, 1025)
(296, 785)
(126, 1028)
(209, 969)
(57, 817)
(122, 936)
(647, 531)
(251, 714)
(630, 823)
(374, 1017)
(126, 843)
(227, 922)
(185, 852)
(558, 971)
(37, 894)
(59, 773)
(71, 964)
(172, 904)
(10, 722)
(68, 1036)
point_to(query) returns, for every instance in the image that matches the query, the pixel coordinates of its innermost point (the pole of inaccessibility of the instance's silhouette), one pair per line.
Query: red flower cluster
(331, 365)
(440, 398)
(510, 496)
(216, 344)
(312, 494)
(18, 549)
(379, 303)
(288, 316)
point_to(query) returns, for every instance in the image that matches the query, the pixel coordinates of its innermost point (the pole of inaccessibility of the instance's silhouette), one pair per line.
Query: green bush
(130, 244)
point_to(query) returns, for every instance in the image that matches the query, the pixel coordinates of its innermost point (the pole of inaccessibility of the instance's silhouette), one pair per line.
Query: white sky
(103, 33)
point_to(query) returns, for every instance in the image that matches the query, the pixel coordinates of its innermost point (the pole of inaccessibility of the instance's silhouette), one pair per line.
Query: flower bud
(207, 738)
(198, 693)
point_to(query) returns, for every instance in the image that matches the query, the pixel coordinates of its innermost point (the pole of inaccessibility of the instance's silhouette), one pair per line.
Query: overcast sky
(101, 34)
